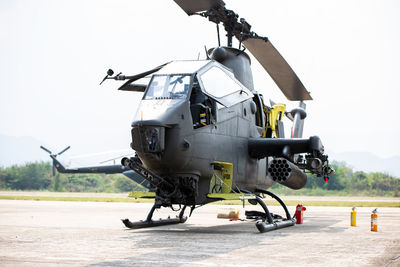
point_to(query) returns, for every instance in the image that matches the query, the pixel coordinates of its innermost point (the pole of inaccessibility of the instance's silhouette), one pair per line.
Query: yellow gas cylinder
(353, 216)
(374, 221)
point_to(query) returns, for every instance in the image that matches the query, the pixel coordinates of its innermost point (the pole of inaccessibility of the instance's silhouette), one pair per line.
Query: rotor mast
(260, 47)
(232, 25)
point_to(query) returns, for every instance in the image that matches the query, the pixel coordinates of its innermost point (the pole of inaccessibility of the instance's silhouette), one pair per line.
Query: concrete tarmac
(45, 233)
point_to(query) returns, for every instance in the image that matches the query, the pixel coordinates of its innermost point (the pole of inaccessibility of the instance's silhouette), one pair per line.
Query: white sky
(53, 54)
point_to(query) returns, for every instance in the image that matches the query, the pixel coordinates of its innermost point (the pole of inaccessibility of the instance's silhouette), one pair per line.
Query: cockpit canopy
(214, 79)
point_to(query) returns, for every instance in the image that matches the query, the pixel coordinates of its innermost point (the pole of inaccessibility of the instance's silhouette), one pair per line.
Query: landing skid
(268, 223)
(150, 223)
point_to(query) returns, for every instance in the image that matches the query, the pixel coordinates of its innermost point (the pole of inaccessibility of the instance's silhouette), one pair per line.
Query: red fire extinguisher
(374, 221)
(299, 213)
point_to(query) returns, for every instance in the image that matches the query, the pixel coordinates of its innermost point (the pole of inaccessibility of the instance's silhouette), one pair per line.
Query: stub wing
(314, 159)
(283, 147)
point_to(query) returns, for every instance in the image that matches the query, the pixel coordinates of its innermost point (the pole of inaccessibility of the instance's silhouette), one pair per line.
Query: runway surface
(45, 233)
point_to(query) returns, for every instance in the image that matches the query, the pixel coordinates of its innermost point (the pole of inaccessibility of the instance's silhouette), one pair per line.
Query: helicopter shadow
(185, 244)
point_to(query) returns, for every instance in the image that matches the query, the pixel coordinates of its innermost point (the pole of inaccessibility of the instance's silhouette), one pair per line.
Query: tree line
(38, 176)
(348, 182)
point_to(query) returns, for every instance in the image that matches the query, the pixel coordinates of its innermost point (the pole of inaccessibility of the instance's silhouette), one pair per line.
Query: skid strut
(150, 223)
(268, 223)
(155, 181)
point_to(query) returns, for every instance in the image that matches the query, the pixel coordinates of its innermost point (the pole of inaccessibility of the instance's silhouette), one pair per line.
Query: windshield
(168, 87)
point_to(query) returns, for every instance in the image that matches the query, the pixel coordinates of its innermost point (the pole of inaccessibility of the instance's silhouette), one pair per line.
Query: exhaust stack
(287, 174)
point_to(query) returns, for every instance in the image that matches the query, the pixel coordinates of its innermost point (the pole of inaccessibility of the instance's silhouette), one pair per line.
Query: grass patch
(224, 202)
(81, 199)
(321, 203)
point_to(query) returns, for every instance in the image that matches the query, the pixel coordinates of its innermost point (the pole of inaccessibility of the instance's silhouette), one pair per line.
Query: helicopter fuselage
(201, 129)
(181, 133)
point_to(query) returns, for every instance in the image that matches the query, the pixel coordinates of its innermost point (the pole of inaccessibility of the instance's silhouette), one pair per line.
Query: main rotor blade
(192, 6)
(45, 149)
(65, 149)
(277, 67)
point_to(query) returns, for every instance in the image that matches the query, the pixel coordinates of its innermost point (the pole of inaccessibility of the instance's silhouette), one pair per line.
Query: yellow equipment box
(221, 182)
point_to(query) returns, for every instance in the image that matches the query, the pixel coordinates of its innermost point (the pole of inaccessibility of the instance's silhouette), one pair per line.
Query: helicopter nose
(148, 139)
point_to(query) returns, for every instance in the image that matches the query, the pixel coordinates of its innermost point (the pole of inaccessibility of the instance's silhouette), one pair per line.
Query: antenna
(219, 40)
(242, 21)
(205, 49)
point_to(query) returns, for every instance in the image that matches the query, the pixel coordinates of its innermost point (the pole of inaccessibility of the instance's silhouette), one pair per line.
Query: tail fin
(57, 165)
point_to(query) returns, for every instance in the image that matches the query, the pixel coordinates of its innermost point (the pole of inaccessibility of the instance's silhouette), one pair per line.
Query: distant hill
(19, 150)
(368, 162)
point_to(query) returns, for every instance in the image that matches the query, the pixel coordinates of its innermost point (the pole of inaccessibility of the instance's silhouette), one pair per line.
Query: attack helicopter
(203, 133)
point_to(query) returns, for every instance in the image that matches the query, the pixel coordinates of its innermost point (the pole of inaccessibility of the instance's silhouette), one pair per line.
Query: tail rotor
(65, 149)
(53, 156)
(45, 149)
